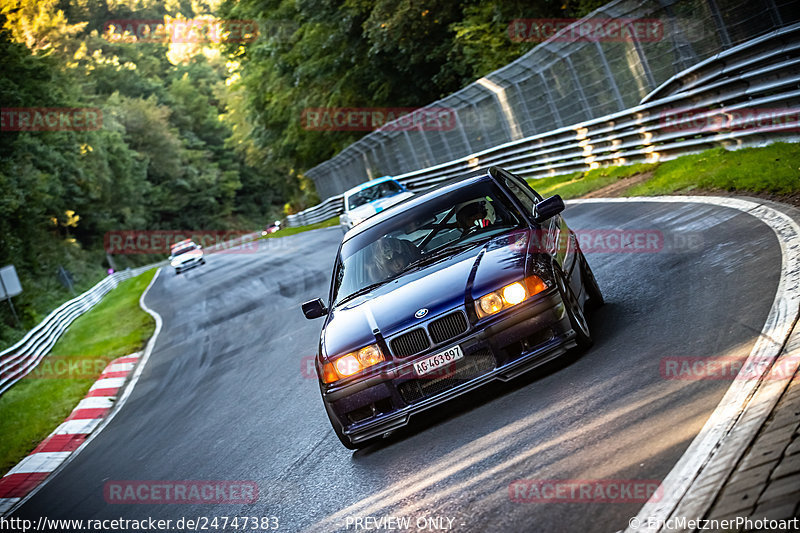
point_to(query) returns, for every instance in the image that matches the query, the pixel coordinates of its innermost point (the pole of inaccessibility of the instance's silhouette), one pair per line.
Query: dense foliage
(361, 53)
(159, 161)
(206, 134)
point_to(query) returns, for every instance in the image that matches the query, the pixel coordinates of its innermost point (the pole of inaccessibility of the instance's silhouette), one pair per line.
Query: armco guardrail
(759, 74)
(18, 360)
(577, 74)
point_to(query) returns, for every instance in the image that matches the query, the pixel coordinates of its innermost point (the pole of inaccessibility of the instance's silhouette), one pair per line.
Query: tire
(595, 296)
(577, 318)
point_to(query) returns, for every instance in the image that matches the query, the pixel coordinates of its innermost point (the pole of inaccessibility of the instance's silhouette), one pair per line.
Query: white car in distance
(369, 198)
(185, 255)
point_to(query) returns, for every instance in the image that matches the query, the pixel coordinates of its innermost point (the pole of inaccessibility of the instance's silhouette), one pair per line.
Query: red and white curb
(67, 437)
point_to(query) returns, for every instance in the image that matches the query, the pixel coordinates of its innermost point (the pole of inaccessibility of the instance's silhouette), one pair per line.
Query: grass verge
(37, 404)
(773, 169)
(285, 232)
(577, 184)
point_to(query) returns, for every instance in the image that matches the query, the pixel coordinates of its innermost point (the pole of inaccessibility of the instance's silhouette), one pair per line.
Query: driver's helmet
(475, 214)
(393, 255)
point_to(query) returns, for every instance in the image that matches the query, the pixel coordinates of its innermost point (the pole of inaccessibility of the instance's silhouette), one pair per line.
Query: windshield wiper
(363, 290)
(439, 254)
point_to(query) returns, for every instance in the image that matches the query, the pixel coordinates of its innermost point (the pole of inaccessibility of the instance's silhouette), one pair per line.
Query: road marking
(740, 395)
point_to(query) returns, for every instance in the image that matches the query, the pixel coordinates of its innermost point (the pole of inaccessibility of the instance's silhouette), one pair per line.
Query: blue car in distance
(476, 280)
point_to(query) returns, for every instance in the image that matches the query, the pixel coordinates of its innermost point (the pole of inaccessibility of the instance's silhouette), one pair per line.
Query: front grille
(410, 343)
(449, 326)
(468, 368)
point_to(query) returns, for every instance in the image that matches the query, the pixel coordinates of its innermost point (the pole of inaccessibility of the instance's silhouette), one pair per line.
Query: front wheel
(577, 318)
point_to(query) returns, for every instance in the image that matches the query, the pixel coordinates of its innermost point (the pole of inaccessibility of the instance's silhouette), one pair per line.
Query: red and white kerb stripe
(67, 437)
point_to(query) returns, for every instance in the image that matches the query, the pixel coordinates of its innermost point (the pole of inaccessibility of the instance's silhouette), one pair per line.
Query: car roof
(181, 243)
(368, 184)
(420, 198)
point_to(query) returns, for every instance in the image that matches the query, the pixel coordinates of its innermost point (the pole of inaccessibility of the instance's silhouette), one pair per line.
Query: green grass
(35, 406)
(285, 232)
(770, 169)
(577, 184)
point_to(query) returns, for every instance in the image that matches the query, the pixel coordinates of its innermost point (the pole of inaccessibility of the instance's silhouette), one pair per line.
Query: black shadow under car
(479, 279)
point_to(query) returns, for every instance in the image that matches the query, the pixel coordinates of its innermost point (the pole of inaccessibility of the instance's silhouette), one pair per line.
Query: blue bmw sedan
(476, 280)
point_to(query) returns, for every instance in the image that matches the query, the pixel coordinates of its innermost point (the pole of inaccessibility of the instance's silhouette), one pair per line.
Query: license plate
(438, 361)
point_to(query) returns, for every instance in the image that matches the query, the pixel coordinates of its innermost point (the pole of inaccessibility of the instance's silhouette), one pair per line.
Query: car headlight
(352, 363)
(509, 296)
(175, 262)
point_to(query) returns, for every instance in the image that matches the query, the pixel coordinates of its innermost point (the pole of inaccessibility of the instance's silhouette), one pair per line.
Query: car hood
(188, 256)
(376, 206)
(439, 288)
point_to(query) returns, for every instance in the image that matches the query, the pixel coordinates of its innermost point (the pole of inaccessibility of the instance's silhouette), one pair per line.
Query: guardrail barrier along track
(20, 359)
(761, 73)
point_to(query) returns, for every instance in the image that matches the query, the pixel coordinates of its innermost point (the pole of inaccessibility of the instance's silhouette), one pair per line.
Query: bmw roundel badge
(421, 313)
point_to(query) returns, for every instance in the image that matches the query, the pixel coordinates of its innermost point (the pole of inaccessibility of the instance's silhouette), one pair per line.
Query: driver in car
(393, 255)
(472, 216)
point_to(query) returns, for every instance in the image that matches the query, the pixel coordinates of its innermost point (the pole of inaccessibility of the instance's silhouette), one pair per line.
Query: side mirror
(170, 258)
(548, 208)
(314, 309)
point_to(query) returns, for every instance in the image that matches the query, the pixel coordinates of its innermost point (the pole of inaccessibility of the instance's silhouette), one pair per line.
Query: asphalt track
(224, 395)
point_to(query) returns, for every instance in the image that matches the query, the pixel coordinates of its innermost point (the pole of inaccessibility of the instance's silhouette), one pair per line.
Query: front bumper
(186, 265)
(521, 339)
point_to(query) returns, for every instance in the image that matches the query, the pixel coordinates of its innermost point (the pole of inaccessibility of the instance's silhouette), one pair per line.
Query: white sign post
(10, 286)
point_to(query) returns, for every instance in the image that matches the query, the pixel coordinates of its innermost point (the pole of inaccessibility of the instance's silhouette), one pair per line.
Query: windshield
(381, 190)
(184, 249)
(422, 235)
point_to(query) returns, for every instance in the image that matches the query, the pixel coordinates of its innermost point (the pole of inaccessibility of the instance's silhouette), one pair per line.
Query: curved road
(224, 395)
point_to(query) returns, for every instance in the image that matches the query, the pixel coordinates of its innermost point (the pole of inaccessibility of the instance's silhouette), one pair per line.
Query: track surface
(224, 396)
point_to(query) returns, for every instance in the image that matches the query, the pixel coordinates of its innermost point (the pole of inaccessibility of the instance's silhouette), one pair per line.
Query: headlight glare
(508, 296)
(352, 363)
(347, 365)
(514, 293)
